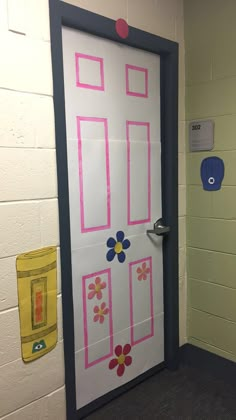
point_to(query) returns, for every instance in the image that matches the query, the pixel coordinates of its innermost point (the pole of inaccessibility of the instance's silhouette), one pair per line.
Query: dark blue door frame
(63, 14)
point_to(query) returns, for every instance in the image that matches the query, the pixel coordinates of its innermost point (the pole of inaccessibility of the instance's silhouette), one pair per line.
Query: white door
(112, 98)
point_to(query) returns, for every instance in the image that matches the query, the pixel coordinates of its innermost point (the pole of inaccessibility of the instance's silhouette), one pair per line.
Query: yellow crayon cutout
(37, 295)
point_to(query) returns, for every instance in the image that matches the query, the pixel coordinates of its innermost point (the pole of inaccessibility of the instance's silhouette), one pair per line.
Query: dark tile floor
(189, 393)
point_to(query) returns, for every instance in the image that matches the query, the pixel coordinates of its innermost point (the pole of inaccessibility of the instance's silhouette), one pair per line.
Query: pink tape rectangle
(84, 228)
(148, 219)
(78, 57)
(132, 321)
(139, 69)
(85, 317)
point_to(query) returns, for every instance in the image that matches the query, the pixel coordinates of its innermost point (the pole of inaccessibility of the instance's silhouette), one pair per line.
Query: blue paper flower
(117, 246)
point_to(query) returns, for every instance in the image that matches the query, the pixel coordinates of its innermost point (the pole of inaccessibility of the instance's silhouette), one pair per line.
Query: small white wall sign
(201, 135)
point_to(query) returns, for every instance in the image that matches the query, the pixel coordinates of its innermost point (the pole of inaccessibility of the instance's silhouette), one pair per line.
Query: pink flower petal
(97, 280)
(101, 320)
(147, 270)
(144, 266)
(139, 270)
(103, 305)
(91, 286)
(91, 294)
(140, 277)
(105, 312)
(118, 350)
(113, 363)
(144, 276)
(120, 370)
(128, 360)
(99, 295)
(96, 309)
(96, 318)
(103, 285)
(126, 349)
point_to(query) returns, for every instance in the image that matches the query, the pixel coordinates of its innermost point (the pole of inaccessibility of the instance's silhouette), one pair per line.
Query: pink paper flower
(100, 311)
(143, 271)
(122, 360)
(96, 288)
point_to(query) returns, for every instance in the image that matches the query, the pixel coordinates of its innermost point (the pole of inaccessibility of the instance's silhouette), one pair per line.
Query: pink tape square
(148, 140)
(80, 56)
(132, 321)
(85, 319)
(145, 74)
(85, 229)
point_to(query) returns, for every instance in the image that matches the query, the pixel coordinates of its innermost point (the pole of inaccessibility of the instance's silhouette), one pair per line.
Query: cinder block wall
(28, 188)
(28, 201)
(210, 34)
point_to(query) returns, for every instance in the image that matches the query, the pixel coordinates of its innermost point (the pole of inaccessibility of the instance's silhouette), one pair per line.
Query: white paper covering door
(112, 95)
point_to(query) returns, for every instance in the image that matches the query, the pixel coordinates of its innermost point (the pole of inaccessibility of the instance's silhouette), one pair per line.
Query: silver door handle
(159, 229)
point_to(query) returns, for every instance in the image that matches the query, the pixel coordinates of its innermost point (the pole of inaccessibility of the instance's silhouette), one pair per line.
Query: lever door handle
(159, 229)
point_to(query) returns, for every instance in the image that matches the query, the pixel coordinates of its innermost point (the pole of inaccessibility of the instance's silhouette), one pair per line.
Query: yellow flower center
(121, 359)
(97, 288)
(118, 247)
(100, 312)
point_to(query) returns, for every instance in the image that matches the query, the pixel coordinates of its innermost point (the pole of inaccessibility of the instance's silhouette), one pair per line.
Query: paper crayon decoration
(37, 295)
(212, 173)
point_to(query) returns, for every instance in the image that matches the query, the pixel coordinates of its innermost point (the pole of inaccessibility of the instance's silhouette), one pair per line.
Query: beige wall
(210, 32)
(28, 189)
(28, 201)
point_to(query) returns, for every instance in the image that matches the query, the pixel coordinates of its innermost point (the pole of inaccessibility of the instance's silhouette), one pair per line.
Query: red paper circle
(122, 28)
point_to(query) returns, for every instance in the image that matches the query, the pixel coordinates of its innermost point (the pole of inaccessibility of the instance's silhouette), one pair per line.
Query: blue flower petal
(126, 244)
(120, 236)
(121, 257)
(110, 255)
(111, 242)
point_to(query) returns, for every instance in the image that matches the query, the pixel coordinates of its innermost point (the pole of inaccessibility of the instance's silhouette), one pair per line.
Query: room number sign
(201, 135)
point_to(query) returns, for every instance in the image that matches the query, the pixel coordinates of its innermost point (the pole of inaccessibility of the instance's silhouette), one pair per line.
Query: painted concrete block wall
(210, 34)
(28, 202)
(28, 189)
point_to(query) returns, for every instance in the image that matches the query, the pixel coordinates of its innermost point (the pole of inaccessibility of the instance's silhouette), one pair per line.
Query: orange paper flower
(100, 311)
(143, 271)
(96, 288)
